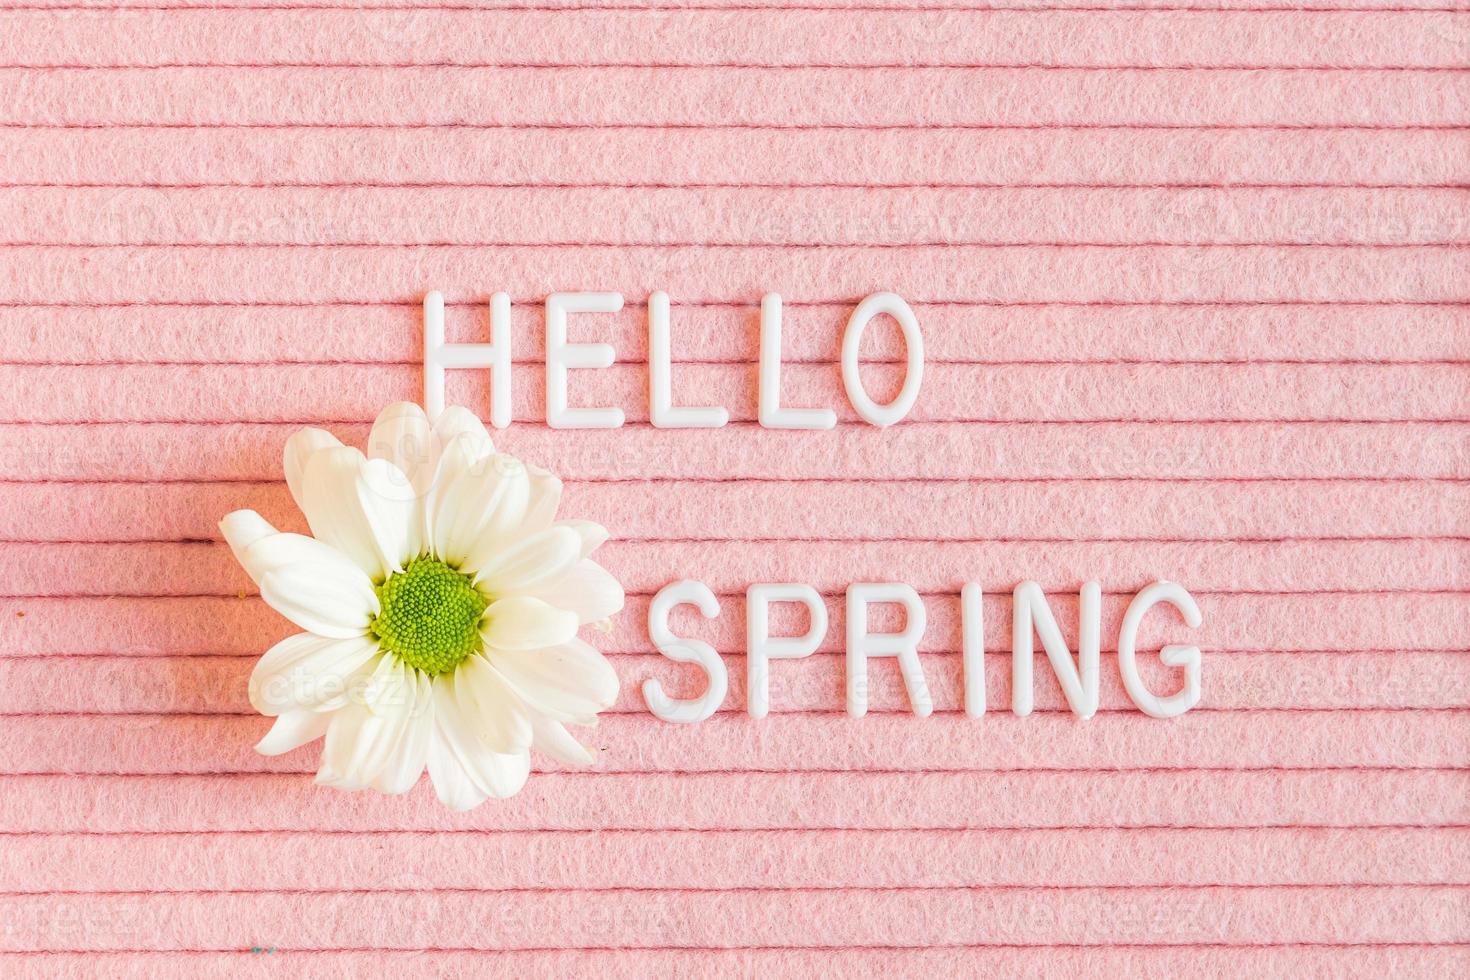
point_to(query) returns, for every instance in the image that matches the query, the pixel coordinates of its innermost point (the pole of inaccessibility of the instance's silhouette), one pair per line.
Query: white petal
(302, 445)
(406, 764)
(271, 553)
(260, 548)
(320, 597)
(570, 682)
(545, 497)
(242, 528)
(591, 533)
(364, 736)
(532, 563)
(491, 522)
(342, 740)
(307, 671)
(336, 598)
(440, 506)
(452, 782)
(329, 501)
(293, 730)
(455, 422)
(403, 436)
(505, 774)
(476, 505)
(524, 623)
(498, 716)
(457, 758)
(362, 509)
(588, 590)
(499, 522)
(395, 511)
(552, 738)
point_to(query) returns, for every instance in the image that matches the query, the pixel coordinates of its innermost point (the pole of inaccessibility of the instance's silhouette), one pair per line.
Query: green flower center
(430, 616)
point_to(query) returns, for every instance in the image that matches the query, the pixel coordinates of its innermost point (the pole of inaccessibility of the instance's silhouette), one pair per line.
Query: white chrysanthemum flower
(441, 602)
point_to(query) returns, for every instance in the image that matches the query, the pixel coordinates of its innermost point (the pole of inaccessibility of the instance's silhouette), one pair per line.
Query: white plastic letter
(905, 646)
(495, 355)
(1188, 657)
(685, 651)
(761, 647)
(1079, 680)
(562, 356)
(661, 410)
(972, 641)
(772, 415)
(913, 342)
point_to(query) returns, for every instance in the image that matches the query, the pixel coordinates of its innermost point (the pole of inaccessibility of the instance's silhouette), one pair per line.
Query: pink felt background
(1193, 281)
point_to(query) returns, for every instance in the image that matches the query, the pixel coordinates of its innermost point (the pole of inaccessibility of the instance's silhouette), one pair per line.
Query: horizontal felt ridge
(322, 333)
(801, 742)
(791, 157)
(1304, 681)
(746, 35)
(1232, 622)
(586, 801)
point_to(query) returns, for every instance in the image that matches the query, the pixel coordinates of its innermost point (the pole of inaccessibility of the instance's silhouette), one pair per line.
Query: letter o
(852, 338)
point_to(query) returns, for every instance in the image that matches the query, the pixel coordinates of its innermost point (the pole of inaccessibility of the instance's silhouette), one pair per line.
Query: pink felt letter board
(1191, 279)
